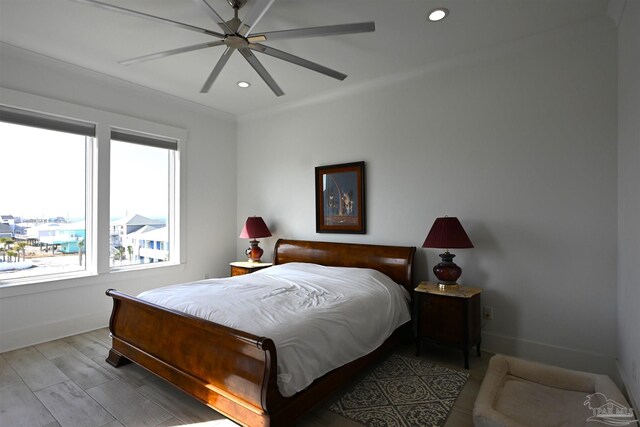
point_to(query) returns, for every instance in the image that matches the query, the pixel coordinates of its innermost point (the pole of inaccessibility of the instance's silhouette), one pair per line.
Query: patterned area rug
(402, 392)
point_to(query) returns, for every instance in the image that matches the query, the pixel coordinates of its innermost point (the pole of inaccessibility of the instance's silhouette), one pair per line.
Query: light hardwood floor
(67, 382)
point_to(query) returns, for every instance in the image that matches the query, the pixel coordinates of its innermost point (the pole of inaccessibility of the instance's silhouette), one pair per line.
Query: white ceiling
(97, 39)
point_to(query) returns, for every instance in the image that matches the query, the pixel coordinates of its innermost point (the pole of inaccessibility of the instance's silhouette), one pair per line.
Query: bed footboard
(230, 370)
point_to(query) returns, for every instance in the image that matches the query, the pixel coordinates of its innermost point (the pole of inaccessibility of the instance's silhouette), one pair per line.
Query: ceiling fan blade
(170, 52)
(329, 30)
(151, 17)
(298, 61)
(216, 70)
(251, 59)
(253, 16)
(209, 10)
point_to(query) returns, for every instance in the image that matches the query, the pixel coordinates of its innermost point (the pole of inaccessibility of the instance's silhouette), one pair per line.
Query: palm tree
(119, 253)
(81, 245)
(5, 241)
(122, 250)
(130, 252)
(12, 254)
(21, 247)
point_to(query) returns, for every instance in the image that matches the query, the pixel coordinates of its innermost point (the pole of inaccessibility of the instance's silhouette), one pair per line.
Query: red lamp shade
(447, 233)
(254, 228)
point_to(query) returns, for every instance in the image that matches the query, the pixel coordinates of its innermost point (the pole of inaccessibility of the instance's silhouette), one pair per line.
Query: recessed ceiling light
(438, 14)
(244, 84)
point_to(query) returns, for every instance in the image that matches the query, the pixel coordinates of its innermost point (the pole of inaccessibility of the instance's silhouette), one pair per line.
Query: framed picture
(340, 202)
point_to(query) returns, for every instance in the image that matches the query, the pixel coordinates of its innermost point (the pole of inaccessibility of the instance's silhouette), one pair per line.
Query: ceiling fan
(238, 35)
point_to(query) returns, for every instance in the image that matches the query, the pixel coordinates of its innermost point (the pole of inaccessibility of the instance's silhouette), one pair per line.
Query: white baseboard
(36, 334)
(564, 357)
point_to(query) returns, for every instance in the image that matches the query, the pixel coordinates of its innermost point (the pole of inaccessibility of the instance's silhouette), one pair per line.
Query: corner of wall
(564, 357)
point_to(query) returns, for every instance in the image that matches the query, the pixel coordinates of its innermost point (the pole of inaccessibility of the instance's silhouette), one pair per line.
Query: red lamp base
(447, 271)
(254, 253)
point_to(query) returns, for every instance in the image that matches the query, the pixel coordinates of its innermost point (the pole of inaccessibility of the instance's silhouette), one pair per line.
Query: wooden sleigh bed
(235, 372)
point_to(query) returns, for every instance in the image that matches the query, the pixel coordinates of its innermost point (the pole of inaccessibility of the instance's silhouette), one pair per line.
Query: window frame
(71, 126)
(135, 137)
(98, 195)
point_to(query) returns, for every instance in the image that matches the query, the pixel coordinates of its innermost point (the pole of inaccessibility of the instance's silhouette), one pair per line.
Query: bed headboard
(394, 261)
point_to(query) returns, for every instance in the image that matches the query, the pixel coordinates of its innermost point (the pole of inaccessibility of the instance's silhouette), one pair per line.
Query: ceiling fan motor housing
(237, 4)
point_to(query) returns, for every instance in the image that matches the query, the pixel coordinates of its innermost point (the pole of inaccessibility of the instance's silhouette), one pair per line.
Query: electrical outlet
(487, 313)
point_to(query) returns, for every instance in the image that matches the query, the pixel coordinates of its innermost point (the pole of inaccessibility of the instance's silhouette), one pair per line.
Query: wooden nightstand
(449, 317)
(239, 268)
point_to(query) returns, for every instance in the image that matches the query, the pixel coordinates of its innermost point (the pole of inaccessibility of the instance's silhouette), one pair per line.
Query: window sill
(35, 285)
(116, 269)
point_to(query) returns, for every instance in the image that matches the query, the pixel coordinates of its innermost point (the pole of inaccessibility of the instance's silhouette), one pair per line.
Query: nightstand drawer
(239, 271)
(239, 268)
(442, 319)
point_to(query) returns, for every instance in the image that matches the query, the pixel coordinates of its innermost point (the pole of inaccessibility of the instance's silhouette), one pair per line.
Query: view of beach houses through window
(139, 204)
(43, 202)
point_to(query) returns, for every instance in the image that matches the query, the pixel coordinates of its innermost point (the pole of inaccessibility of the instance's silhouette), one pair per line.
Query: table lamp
(254, 228)
(447, 233)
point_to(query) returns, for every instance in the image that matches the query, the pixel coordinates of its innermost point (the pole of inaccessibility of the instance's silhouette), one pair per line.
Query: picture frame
(340, 198)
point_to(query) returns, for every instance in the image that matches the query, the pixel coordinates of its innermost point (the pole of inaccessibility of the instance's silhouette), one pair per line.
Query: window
(142, 177)
(43, 204)
(53, 200)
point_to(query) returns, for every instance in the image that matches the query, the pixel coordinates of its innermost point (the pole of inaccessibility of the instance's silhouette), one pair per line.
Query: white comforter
(319, 317)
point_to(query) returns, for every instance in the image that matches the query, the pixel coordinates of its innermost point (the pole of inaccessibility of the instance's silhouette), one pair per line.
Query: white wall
(629, 198)
(520, 145)
(60, 308)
